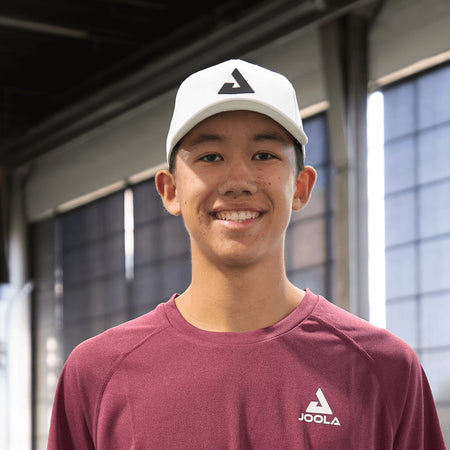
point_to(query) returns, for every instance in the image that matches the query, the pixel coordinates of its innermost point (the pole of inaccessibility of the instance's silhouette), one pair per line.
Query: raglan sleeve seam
(114, 367)
(369, 361)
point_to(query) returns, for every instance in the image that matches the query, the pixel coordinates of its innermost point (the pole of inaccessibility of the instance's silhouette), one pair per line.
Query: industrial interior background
(86, 91)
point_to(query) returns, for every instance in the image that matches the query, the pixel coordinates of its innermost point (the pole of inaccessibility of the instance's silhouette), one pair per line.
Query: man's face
(235, 185)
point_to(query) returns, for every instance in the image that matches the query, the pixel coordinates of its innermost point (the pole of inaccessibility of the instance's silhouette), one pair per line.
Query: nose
(238, 179)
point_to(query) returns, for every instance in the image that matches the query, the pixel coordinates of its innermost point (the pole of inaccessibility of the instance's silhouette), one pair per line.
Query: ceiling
(64, 63)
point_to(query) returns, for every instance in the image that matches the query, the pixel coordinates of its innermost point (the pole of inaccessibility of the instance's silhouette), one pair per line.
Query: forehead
(230, 123)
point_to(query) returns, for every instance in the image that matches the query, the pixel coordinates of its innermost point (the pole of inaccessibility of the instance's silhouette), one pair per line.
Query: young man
(242, 359)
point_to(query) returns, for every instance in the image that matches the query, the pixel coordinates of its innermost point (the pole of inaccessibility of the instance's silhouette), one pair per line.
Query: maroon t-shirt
(320, 378)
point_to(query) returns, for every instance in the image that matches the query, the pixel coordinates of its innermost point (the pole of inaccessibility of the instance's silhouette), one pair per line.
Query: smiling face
(235, 185)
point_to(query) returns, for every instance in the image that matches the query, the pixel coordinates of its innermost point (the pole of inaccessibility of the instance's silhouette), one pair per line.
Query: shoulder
(90, 368)
(387, 354)
(392, 362)
(403, 385)
(99, 355)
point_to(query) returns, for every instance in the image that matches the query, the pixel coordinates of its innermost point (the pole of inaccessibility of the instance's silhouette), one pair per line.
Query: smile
(237, 216)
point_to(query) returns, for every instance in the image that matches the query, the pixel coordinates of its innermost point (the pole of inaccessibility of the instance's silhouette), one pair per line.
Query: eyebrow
(271, 136)
(205, 137)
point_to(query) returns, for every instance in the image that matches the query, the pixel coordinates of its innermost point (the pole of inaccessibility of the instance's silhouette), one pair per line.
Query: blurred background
(86, 93)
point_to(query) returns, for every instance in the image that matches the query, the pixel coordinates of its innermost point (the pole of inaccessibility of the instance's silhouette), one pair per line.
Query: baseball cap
(231, 86)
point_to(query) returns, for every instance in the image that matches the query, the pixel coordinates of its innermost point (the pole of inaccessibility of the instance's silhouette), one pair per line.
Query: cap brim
(235, 105)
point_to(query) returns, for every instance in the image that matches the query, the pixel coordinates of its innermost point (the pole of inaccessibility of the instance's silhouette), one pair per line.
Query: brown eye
(263, 156)
(211, 158)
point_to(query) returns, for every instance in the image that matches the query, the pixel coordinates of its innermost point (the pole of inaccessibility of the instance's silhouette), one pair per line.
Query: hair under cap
(231, 86)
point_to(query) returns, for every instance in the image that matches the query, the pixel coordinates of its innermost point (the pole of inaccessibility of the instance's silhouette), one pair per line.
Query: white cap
(231, 86)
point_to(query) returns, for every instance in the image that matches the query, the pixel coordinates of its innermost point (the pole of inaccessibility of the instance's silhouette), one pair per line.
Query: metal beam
(45, 28)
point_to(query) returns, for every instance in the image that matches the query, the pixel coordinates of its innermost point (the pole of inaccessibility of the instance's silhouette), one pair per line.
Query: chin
(238, 257)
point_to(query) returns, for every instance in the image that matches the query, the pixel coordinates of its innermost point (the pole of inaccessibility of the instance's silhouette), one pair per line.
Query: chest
(242, 398)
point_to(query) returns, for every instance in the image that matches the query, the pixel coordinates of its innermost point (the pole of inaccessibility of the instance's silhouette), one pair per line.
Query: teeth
(237, 216)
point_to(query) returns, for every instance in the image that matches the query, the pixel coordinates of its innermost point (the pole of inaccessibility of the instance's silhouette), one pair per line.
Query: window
(162, 257)
(308, 238)
(93, 269)
(417, 208)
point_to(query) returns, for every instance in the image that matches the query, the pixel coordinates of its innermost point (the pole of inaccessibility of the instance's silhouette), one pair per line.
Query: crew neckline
(178, 322)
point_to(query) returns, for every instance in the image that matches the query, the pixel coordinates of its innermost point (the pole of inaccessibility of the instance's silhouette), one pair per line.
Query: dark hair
(299, 156)
(173, 154)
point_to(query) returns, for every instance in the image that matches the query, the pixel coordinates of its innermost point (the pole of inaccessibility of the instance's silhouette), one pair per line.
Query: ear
(304, 185)
(166, 187)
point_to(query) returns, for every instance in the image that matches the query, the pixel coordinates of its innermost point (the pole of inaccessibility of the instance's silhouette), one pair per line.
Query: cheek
(193, 199)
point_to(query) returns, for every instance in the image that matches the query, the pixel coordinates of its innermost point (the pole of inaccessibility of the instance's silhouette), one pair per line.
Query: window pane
(434, 207)
(306, 244)
(176, 275)
(399, 165)
(147, 286)
(434, 154)
(94, 259)
(400, 218)
(147, 244)
(435, 330)
(400, 271)
(317, 147)
(93, 221)
(401, 319)
(433, 99)
(435, 265)
(399, 111)
(95, 297)
(175, 239)
(437, 367)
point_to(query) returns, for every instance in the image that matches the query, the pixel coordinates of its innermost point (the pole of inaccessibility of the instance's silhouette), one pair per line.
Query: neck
(244, 298)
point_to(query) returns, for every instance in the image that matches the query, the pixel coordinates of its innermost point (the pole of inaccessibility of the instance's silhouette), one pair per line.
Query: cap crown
(230, 86)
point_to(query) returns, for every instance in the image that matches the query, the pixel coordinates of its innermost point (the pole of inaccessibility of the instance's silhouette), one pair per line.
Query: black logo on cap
(242, 86)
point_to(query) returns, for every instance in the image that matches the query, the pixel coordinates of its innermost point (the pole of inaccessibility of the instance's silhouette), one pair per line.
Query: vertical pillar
(357, 82)
(19, 325)
(344, 56)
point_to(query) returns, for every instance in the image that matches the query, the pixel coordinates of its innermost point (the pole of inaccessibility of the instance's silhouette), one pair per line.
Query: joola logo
(319, 412)
(242, 85)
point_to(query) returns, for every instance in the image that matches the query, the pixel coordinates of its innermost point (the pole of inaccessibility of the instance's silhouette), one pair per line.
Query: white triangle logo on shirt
(320, 407)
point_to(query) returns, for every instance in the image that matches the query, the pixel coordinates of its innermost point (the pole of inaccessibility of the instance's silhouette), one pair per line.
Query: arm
(419, 426)
(71, 421)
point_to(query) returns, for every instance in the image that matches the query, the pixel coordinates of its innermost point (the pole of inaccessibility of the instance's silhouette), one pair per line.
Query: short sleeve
(71, 422)
(419, 426)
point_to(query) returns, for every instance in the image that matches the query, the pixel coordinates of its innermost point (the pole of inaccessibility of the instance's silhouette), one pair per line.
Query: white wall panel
(126, 146)
(408, 31)
(298, 57)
